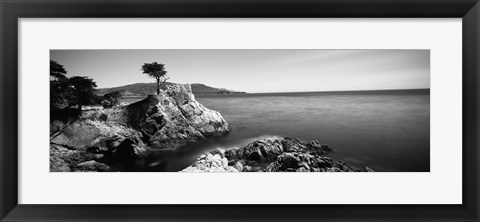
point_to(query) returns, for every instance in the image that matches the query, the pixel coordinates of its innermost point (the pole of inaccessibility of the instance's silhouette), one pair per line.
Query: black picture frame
(12, 10)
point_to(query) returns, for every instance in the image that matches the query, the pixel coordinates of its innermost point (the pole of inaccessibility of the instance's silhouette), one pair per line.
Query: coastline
(113, 139)
(235, 135)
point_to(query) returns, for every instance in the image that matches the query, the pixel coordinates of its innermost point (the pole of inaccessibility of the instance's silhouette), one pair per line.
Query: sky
(257, 70)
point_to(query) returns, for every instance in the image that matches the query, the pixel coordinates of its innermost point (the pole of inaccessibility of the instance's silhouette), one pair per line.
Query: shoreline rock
(210, 163)
(277, 154)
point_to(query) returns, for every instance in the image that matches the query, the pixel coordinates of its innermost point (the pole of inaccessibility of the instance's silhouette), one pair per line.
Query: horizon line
(353, 90)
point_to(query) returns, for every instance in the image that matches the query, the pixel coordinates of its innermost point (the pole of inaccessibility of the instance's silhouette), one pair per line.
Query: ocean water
(384, 130)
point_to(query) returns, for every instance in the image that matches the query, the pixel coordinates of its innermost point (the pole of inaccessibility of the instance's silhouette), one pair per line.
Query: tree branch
(164, 81)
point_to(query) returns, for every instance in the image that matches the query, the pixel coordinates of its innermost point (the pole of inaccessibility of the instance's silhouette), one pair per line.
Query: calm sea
(384, 130)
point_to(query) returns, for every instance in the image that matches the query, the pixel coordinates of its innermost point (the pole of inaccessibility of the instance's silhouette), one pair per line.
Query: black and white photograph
(240, 110)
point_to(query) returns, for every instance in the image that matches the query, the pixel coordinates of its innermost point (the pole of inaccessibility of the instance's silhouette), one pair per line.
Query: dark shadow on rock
(61, 118)
(65, 115)
(144, 117)
(125, 155)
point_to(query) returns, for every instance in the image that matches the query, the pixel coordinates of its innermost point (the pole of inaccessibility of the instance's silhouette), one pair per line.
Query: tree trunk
(158, 86)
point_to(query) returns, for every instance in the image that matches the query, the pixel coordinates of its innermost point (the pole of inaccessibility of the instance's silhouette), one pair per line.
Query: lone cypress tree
(156, 71)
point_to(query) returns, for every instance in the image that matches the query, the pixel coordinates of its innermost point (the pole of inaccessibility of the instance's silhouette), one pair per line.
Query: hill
(143, 89)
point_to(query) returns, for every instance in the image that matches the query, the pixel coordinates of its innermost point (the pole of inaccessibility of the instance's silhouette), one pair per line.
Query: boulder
(210, 163)
(68, 156)
(58, 165)
(288, 160)
(293, 145)
(333, 169)
(315, 145)
(305, 162)
(302, 169)
(255, 154)
(63, 159)
(77, 135)
(238, 165)
(321, 163)
(91, 133)
(247, 169)
(130, 149)
(91, 166)
(260, 150)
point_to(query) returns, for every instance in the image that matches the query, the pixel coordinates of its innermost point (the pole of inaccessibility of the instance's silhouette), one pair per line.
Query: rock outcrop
(167, 120)
(174, 118)
(277, 154)
(210, 163)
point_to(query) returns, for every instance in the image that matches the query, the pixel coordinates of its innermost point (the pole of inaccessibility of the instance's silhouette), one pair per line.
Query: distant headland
(144, 89)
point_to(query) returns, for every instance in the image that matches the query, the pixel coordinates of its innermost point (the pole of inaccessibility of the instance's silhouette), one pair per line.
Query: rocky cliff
(98, 139)
(273, 154)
